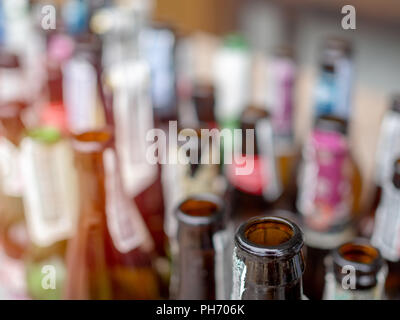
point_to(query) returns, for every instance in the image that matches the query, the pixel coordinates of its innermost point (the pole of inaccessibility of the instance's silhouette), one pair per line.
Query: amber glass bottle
(355, 271)
(268, 261)
(201, 248)
(111, 254)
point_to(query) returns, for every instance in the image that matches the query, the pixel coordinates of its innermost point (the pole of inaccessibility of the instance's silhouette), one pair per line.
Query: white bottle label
(50, 190)
(232, 69)
(133, 118)
(125, 223)
(80, 94)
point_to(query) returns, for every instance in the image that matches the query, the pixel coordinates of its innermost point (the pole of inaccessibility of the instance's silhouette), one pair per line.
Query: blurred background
(69, 69)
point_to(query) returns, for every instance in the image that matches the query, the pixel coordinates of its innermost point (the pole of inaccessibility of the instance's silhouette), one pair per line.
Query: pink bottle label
(326, 195)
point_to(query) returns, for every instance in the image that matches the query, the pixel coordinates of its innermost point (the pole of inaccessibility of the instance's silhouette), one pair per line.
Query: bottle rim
(358, 246)
(93, 140)
(189, 219)
(287, 248)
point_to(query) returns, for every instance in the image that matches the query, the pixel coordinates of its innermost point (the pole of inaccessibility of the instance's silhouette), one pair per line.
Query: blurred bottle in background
(13, 105)
(14, 239)
(232, 74)
(333, 89)
(60, 48)
(128, 76)
(268, 261)
(111, 254)
(182, 180)
(84, 97)
(251, 194)
(75, 15)
(281, 73)
(202, 256)
(360, 260)
(51, 210)
(158, 42)
(329, 195)
(387, 151)
(386, 231)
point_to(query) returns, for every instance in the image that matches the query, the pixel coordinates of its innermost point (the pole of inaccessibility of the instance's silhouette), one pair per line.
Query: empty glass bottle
(268, 262)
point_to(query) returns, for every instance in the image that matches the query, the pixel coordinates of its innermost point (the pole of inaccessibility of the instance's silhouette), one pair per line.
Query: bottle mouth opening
(269, 236)
(268, 233)
(359, 253)
(92, 141)
(200, 209)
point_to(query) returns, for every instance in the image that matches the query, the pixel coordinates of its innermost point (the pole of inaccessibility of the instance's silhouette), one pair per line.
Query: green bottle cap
(45, 135)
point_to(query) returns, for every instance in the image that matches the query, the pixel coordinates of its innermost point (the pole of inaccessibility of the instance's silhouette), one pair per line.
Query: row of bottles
(76, 203)
(79, 195)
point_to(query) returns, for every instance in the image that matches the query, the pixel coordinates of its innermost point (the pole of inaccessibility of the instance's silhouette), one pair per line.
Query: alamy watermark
(49, 278)
(349, 280)
(184, 147)
(349, 20)
(49, 19)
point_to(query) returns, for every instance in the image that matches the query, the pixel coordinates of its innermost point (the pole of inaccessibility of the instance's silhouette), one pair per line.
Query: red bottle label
(255, 181)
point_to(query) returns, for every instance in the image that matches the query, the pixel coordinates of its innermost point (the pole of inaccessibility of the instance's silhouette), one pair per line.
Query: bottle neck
(89, 149)
(356, 270)
(200, 220)
(268, 262)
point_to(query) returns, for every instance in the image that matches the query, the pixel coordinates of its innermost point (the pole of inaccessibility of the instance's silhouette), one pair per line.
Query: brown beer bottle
(386, 231)
(355, 271)
(268, 261)
(253, 193)
(328, 200)
(110, 255)
(201, 241)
